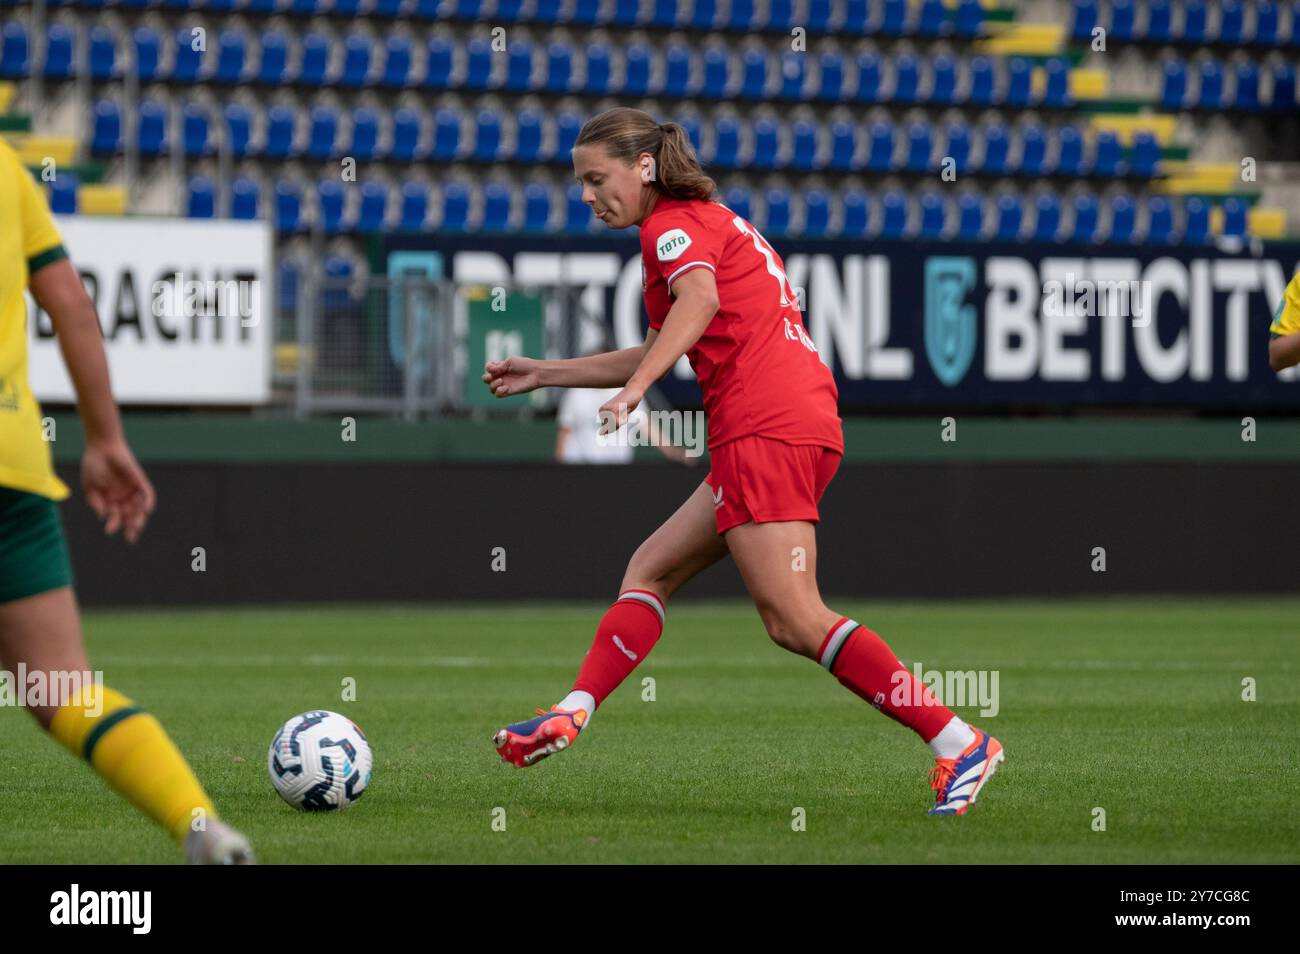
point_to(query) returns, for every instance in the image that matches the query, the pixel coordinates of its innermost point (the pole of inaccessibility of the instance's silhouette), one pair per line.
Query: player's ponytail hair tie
(628, 133)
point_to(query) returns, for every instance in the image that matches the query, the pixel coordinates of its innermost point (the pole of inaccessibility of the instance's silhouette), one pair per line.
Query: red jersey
(758, 369)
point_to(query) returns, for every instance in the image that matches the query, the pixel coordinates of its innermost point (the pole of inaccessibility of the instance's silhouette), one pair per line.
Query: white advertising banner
(185, 305)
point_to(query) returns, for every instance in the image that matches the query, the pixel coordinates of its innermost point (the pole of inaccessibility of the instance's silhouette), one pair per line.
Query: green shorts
(33, 552)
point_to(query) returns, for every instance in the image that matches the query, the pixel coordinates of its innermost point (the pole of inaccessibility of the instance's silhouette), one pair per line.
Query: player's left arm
(116, 486)
(1284, 332)
(696, 302)
(1284, 351)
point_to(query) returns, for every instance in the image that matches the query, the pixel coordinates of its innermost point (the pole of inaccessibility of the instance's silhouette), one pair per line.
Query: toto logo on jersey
(672, 244)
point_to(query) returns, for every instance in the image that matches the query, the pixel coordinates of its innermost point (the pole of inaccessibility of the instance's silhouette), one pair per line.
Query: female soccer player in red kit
(717, 292)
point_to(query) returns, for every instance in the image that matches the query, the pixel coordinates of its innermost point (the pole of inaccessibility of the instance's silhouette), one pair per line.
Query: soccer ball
(319, 761)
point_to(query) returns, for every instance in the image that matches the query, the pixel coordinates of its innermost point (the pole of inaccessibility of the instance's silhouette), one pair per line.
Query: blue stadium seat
(1019, 82)
(636, 70)
(1069, 155)
(151, 131)
(59, 40)
(245, 194)
(567, 126)
(933, 18)
(1047, 217)
(14, 52)
(415, 206)
(446, 135)
(288, 206)
(519, 67)
(693, 132)
(880, 158)
(1121, 21)
(1234, 218)
(239, 122)
(1085, 21)
(496, 207)
(279, 132)
(1123, 219)
(983, 82)
(187, 61)
(547, 11)
(194, 126)
(868, 86)
(528, 136)
(487, 135)
(438, 64)
(1246, 94)
(793, 77)
(854, 218)
(1174, 91)
(766, 143)
(559, 67)
(1266, 22)
(704, 14)
(737, 200)
(943, 84)
(103, 54)
(508, 10)
(1283, 98)
(893, 208)
(844, 145)
(1196, 227)
(893, 18)
(741, 15)
(996, 146)
(305, 7)
(907, 78)
(934, 215)
(854, 18)
(1193, 21)
(577, 216)
(1009, 217)
(329, 204)
(405, 146)
(780, 16)
(816, 213)
(1033, 150)
(599, 69)
(717, 72)
(200, 201)
(272, 67)
(1231, 22)
(324, 125)
(819, 16)
(315, 60)
(1160, 221)
(665, 13)
(63, 193)
(1108, 157)
(106, 133)
(627, 13)
(397, 61)
(1159, 21)
(726, 142)
(478, 70)
(970, 216)
(830, 71)
(753, 74)
(365, 134)
(386, 8)
(537, 207)
(1085, 219)
(957, 147)
(778, 212)
(1056, 92)
(919, 147)
(232, 53)
(803, 156)
(356, 60)
(1210, 95)
(1146, 154)
(677, 71)
(970, 18)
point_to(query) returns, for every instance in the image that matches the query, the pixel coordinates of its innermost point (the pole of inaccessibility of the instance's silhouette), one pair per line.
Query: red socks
(862, 661)
(626, 634)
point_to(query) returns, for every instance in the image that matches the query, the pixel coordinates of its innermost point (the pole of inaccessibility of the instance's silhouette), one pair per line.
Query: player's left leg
(778, 562)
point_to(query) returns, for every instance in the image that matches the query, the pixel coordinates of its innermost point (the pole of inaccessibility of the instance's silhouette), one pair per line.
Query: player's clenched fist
(514, 375)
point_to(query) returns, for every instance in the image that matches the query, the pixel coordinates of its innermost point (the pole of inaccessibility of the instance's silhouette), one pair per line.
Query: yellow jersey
(1286, 320)
(29, 240)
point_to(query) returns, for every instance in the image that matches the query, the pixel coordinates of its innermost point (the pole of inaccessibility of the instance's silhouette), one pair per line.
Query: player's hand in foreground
(956, 782)
(218, 844)
(524, 743)
(514, 375)
(116, 488)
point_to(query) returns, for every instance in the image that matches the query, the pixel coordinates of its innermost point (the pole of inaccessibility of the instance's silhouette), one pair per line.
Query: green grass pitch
(1133, 706)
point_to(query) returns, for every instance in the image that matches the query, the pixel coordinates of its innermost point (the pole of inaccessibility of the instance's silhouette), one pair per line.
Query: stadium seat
(508, 11)
(1009, 217)
(1234, 218)
(279, 132)
(819, 16)
(726, 140)
(893, 208)
(919, 147)
(194, 129)
(943, 84)
(232, 52)
(478, 70)
(854, 214)
(1283, 98)
(970, 18)
(1193, 21)
(314, 60)
(187, 60)
(1121, 21)
(844, 145)
(356, 61)
(329, 199)
(200, 199)
(103, 54)
(957, 147)
(636, 70)
(1210, 94)
(559, 67)
(970, 216)
(1231, 22)
(1069, 156)
(983, 87)
(288, 206)
(893, 17)
(1159, 21)
(455, 207)
(1123, 217)
(1108, 157)
(932, 20)
(63, 193)
(1173, 93)
(854, 18)
(766, 143)
(868, 86)
(272, 66)
(519, 67)
(537, 207)
(1033, 150)
(405, 146)
(106, 132)
(677, 71)
(704, 14)
(14, 52)
(1019, 82)
(528, 136)
(244, 196)
(1047, 217)
(880, 158)
(741, 16)
(599, 69)
(737, 200)
(546, 11)
(717, 69)
(1160, 221)
(994, 161)
(1146, 154)
(365, 134)
(415, 206)
(803, 156)
(438, 63)
(1084, 230)
(1085, 20)
(577, 215)
(780, 16)
(567, 127)
(446, 135)
(1246, 94)
(816, 213)
(496, 207)
(830, 82)
(397, 61)
(324, 131)
(907, 72)
(151, 129)
(694, 133)
(487, 136)
(1056, 92)
(778, 212)
(239, 122)
(1196, 228)
(793, 76)
(1266, 23)
(753, 74)
(934, 215)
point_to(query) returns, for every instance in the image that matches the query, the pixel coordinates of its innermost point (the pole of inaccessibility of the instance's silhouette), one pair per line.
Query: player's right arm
(518, 375)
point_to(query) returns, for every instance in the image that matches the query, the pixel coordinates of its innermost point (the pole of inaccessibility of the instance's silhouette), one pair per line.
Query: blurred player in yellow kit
(40, 628)
(1284, 333)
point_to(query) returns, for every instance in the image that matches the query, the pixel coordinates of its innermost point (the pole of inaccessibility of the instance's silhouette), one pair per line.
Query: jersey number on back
(788, 296)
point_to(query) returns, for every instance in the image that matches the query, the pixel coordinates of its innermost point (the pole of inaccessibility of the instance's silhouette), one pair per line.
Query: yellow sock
(131, 752)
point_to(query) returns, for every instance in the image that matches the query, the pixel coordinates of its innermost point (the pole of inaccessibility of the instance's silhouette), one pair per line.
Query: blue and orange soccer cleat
(957, 782)
(524, 743)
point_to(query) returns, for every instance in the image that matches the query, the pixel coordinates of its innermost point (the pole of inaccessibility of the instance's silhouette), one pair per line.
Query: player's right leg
(685, 544)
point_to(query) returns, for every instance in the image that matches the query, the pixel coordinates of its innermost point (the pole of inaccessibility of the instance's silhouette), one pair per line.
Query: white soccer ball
(320, 761)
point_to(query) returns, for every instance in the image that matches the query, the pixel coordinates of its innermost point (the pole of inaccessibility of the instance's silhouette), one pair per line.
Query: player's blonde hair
(626, 133)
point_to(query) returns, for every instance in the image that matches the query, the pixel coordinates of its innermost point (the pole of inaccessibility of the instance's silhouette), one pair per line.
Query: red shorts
(762, 480)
